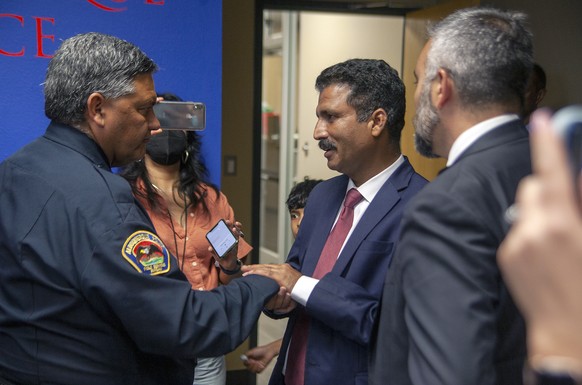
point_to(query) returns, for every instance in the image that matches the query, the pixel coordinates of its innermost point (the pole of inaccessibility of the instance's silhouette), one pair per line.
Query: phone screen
(188, 116)
(221, 238)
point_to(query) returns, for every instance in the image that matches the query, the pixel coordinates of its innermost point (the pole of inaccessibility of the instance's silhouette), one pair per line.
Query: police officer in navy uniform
(88, 292)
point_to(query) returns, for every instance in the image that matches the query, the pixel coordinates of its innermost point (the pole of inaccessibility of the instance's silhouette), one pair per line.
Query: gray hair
(88, 63)
(487, 52)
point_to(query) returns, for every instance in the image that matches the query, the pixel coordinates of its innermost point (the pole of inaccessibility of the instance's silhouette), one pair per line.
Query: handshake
(286, 276)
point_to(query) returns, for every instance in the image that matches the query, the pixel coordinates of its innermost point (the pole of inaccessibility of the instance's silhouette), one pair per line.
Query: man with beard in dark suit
(446, 316)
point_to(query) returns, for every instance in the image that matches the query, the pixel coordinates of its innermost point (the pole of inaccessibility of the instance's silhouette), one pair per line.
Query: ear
(441, 88)
(377, 122)
(94, 112)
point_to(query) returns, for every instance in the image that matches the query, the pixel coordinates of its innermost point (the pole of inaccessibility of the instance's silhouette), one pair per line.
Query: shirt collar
(370, 188)
(471, 135)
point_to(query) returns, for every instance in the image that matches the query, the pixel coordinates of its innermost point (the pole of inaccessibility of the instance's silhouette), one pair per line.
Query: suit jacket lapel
(381, 205)
(506, 133)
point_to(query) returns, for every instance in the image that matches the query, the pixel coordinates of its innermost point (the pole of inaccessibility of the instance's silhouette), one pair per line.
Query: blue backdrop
(184, 37)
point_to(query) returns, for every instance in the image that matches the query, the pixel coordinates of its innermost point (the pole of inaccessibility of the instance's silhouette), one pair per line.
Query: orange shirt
(197, 262)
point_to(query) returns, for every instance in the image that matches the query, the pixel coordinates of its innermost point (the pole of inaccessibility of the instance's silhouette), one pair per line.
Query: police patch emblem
(146, 252)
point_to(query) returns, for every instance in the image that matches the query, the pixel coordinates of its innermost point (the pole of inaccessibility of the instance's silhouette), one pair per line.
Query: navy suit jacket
(344, 303)
(446, 316)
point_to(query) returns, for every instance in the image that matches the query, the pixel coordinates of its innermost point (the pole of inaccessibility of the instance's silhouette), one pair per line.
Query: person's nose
(153, 121)
(320, 130)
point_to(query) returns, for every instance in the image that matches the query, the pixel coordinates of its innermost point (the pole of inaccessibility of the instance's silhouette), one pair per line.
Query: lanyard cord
(176, 237)
(185, 214)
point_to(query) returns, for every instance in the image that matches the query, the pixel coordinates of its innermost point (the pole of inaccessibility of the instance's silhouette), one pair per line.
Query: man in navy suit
(447, 317)
(360, 118)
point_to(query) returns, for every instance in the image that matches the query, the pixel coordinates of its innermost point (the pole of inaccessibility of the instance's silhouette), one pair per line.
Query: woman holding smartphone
(171, 183)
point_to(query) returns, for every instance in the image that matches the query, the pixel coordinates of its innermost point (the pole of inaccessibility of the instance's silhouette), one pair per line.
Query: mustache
(326, 144)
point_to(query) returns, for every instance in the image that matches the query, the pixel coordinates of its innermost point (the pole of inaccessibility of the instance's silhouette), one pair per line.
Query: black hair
(298, 195)
(540, 75)
(373, 84)
(193, 172)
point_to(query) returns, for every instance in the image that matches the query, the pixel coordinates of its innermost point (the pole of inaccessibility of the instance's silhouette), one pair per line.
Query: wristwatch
(233, 271)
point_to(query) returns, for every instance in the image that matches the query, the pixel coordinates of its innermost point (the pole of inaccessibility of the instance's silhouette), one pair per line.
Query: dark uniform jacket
(88, 293)
(447, 318)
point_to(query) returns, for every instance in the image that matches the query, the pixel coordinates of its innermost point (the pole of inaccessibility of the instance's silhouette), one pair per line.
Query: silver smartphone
(221, 238)
(188, 116)
(568, 124)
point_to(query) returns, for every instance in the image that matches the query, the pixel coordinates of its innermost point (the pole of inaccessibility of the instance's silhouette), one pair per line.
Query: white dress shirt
(470, 136)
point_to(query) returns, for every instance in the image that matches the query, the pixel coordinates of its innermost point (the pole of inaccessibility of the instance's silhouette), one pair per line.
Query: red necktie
(295, 370)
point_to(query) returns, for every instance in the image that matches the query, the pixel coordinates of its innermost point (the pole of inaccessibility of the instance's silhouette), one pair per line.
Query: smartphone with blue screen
(221, 238)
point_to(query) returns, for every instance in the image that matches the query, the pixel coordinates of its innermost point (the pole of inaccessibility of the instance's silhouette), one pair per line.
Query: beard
(425, 120)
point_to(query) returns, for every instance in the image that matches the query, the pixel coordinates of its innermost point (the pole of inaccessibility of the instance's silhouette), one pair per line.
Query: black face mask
(167, 147)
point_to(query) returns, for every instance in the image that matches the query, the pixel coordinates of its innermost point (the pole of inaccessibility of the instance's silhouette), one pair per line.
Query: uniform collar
(77, 141)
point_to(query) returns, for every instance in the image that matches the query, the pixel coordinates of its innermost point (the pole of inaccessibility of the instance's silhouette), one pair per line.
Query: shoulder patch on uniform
(147, 253)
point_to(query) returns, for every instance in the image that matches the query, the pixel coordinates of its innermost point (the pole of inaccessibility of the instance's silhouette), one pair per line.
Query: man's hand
(541, 258)
(281, 303)
(257, 359)
(284, 274)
